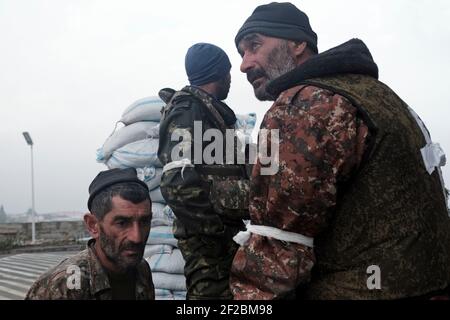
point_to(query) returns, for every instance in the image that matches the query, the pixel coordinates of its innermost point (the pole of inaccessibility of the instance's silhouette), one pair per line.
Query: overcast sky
(68, 69)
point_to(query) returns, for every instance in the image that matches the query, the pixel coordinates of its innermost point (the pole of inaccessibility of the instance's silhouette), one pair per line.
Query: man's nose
(247, 63)
(135, 234)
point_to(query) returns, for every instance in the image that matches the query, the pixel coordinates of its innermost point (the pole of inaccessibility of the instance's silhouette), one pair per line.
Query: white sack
(145, 109)
(152, 249)
(139, 154)
(151, 176)
(162, 235)
(167, 262)
(156, 196)
(163, 280)
(128, 134)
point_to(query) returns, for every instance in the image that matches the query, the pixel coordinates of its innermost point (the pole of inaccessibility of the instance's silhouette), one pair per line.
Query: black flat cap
(108, 178)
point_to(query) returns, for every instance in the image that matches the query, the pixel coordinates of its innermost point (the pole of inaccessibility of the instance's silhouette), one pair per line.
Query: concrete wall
(47, 231)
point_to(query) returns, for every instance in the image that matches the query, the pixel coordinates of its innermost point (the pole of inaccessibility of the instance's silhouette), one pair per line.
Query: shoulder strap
(168, 107)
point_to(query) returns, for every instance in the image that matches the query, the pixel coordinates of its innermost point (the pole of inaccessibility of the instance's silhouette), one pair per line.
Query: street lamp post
(33, 230)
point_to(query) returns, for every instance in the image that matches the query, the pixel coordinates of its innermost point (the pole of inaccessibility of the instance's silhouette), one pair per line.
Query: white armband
(242, 237)
(183, 163)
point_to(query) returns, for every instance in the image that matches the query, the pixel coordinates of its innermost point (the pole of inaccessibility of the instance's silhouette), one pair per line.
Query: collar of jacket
(224, 110)
(99, 281)
(351, 57)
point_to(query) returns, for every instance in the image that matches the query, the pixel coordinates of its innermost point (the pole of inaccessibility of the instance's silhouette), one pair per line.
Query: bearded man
(357, 209)
(112, 265)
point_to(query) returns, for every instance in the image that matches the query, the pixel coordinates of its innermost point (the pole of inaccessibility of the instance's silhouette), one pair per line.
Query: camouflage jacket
(82, 277)
(209, 207)
(321, 142)
(351, 176)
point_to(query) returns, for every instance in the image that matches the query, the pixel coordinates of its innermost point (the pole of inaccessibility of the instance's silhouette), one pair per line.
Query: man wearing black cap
(111, 268)
(208, 198)
(358, 207)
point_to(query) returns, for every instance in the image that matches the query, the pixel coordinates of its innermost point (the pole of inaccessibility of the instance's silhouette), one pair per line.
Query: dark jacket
(353, 178)
(208, 200)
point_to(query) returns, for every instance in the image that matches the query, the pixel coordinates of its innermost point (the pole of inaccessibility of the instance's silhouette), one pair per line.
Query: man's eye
(255, 45)
(121, 223)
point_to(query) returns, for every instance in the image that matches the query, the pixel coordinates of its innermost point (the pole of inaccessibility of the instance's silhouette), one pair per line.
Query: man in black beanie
(112, 265)
(357, 209)
(208, 199)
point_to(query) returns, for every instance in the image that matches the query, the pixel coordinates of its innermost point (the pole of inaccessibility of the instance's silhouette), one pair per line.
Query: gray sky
(70, 68)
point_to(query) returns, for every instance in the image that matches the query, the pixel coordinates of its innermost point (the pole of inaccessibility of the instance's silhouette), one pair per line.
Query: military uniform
(353, 179)
(93, 282)
(209, 201)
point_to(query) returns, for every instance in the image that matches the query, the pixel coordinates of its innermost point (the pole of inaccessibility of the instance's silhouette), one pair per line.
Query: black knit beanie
(279, 20)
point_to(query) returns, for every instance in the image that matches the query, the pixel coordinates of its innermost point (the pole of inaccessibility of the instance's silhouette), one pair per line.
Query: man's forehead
(117, 199)
(134, 216)
(253, 37)
(249, 37)
(121, 205)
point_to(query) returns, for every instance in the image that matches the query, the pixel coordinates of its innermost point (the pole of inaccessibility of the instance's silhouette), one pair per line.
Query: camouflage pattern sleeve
(186, 192)
(321, 142)
(53, 285)
(204, 240)
(50, 288)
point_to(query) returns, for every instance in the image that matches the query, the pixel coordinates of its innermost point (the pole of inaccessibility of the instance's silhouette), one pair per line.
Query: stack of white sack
(164, 258)
(136, 146)
(245, 123)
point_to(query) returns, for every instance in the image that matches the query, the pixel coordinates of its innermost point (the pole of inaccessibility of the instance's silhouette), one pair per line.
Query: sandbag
(165, 294)
(167, 262)
(164, 217)
(157, 209)
(152, 249)
(150, 175)
(139, 154)
(162, 280)
(145, 109)
(156, 196)
(245, 123)
(162, 235)
(128, 134)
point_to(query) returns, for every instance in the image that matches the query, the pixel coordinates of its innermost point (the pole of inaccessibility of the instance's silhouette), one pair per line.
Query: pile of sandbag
(245, 123)
(165, 259)
(136, 145)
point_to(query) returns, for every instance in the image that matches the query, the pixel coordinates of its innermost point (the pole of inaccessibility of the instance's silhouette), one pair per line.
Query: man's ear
(92, 224)
(298, 48)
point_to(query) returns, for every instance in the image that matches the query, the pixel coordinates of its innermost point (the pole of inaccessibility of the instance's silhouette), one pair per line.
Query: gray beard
(113, 254)
(279, 63)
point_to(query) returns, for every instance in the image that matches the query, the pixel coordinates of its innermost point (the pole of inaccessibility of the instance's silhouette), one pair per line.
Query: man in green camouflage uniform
(208, 199)
(111, 267)
(357, 209)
